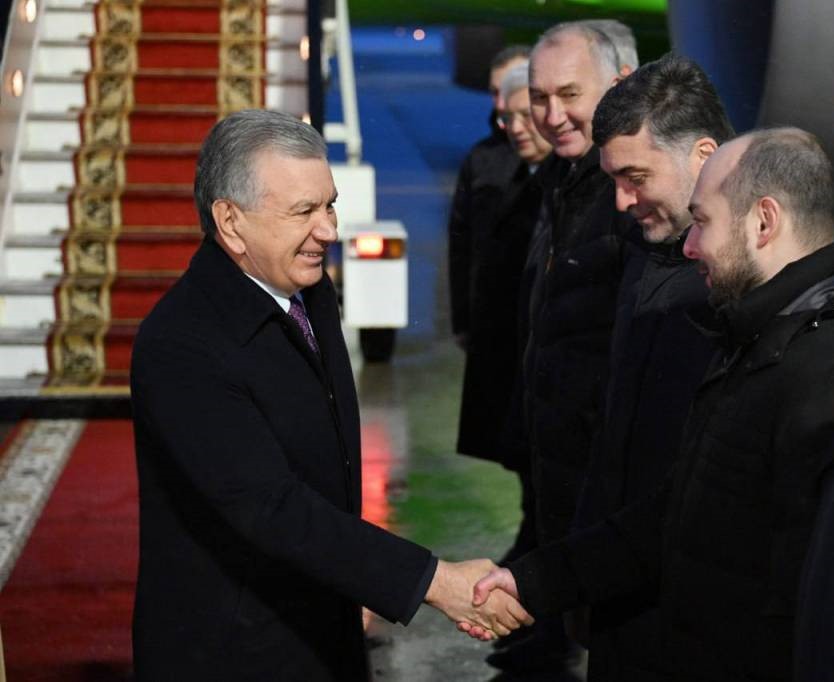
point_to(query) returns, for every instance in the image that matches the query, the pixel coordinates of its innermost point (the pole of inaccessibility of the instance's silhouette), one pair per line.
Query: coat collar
(245, 306)
(587, 165)
(743, 320)
(238, 300)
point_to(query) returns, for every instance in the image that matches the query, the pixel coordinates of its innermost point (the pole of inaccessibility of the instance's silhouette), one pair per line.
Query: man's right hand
(499, 584)
(451, 592)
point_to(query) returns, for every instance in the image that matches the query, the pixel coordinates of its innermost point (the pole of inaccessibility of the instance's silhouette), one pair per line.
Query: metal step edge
(79, 77)
(28, 287)
(68, 153)
(24, 197)
(23, 336)
(272, 9)
(83, 41)
(36, 241)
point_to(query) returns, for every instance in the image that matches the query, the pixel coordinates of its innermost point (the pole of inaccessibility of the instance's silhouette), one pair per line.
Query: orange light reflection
(376, 473)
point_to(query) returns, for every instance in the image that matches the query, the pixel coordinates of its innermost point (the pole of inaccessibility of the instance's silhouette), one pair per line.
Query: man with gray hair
(253, 556)
(569, 287)
(623, 39)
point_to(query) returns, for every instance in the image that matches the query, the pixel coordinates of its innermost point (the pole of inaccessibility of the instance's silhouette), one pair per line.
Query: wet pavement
(417, 127)
(416, 485)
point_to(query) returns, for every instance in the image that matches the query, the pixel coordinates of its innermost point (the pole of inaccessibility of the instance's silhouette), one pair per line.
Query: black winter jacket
(658, 359)
(484, 176)
(492, 353)
(565, 366)
(722, 543)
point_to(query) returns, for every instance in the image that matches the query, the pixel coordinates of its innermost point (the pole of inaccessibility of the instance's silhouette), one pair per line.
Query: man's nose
(555, 112)
(625, 198)
(690, 246)
(325, 229)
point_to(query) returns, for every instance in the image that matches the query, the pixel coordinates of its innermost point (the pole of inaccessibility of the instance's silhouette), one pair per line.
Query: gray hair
(516, 78)
(509, 54)
(226, 161)
(599, 45)
(789, 165)
(621, 36)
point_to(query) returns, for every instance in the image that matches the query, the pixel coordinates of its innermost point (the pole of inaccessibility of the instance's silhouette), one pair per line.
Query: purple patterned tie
(297, 313)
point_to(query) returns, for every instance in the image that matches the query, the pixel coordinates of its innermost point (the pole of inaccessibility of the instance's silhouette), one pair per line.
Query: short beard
(740, 272)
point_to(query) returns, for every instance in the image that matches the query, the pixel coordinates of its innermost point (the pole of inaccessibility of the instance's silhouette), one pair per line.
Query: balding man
(721, 544)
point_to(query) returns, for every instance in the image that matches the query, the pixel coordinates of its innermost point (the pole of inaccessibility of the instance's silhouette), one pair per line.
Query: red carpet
(66, 609)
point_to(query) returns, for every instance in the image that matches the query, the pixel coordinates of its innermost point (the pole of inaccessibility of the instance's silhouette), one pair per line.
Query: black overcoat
(722, 543)
(572, 309)
(484, 176)
(658, 359)
(253, 558)
(492, 352)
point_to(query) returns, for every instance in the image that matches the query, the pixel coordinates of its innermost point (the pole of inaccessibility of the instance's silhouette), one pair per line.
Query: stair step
(68, 56)
(73, 22)
(84, 41)
(69, 91)
(134, 252)
(160, 124)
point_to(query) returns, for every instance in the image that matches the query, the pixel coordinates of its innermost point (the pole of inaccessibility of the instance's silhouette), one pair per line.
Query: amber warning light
(376, 246)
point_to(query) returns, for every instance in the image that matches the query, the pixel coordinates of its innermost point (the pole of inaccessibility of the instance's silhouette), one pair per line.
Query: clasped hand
(463, 591)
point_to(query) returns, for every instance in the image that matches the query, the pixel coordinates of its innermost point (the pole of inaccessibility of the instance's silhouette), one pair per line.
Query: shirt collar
(279, 297)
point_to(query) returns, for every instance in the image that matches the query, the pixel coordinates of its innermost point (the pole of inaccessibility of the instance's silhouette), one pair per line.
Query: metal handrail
(348, 131)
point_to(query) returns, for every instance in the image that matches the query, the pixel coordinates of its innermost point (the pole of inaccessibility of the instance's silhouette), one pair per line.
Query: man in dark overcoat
(485, 174)
(720, 545)
(655, 130)
(254, 560)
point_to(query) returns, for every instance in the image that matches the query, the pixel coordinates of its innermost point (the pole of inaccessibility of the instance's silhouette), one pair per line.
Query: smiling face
(654, 183)
(523, 135)
(283, 239)
(720, 242)
(565, 87)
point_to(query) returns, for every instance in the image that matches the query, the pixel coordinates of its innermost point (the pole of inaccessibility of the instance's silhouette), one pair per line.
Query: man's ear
(227, 218)
(768, 217)
(625, 70)
(704, 148)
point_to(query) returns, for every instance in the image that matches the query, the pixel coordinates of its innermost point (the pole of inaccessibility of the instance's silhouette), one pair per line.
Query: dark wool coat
(565, 367)
(253, 558)
(484, 176)
(723, 542)
(814, 655)
(492, 353)
(658, 359)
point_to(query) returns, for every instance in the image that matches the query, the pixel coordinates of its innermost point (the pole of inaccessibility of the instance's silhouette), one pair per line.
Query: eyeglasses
(506, 119)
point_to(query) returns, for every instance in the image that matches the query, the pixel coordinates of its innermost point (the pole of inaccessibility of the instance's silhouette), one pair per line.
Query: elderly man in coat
(253, 557)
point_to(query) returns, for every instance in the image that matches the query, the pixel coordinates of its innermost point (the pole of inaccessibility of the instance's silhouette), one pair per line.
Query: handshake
(480, 597)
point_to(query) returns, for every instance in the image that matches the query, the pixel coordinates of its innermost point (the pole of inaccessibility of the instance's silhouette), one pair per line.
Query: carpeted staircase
(102, 219)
